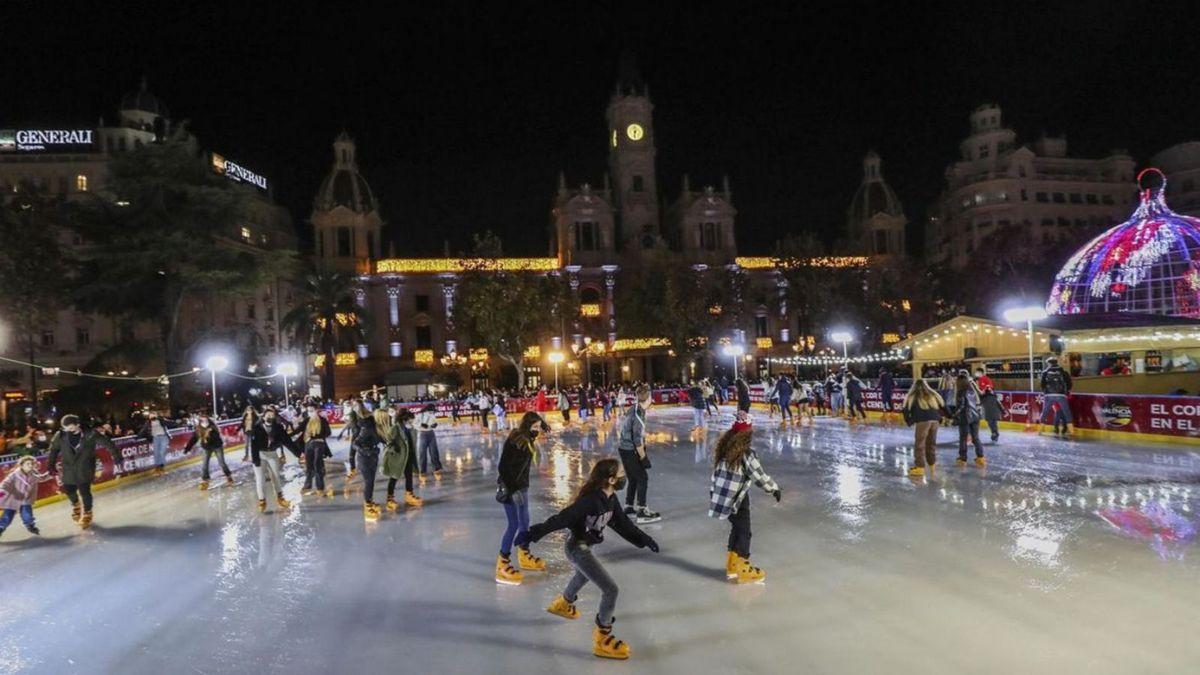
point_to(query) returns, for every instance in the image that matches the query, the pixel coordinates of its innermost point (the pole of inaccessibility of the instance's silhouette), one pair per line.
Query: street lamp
(287, 370)
(215, 363)
(845, 337)
(734, 351)
(556, 358)
(1027, 315)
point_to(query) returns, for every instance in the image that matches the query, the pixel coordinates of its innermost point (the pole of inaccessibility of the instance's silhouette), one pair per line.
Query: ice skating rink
(1060, 557)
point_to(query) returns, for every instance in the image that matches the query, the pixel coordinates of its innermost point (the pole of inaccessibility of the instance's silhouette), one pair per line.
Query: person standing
(735, 467)
(208, 436)
(18, 492)
(887, 386)
(400, 460)
(315, 432)
(771, 387)
(564, 407)
(485, 408)
(77, 451)
(513, 493)
(266, 461)
(968, 412)
(923, 409)
(350, 430)
(833, 389)
(992, 410)
(631, 446)
(156, 431)
(698, 403)
(854, 394)
(595, 507)
(743, 395)
(249, 421)
(710, 397)
(366, 445)
(946, 389)
(784, 390)
(1056, 389)
(427, 446)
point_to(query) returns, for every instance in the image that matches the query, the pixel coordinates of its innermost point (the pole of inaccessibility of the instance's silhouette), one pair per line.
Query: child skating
(735, 467)
(18, 492)
(595, 507)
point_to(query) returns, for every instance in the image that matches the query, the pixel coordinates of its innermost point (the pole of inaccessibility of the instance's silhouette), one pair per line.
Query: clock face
(634, 132)
(614, 138)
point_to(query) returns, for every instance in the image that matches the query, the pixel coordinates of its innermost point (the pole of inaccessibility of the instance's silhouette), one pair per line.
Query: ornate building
(875, 221)
(345, 217)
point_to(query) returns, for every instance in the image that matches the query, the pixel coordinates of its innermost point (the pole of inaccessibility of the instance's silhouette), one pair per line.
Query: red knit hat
(741, 422)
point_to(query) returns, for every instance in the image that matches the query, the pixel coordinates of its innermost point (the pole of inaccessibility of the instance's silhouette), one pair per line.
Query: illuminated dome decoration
(1150, 264)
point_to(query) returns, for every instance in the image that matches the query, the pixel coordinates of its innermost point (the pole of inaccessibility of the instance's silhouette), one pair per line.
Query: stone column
(610, 282)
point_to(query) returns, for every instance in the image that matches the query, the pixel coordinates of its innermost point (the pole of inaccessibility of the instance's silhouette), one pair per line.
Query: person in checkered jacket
(735, 467)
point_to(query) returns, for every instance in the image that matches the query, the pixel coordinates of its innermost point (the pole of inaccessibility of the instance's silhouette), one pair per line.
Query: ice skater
(967, 413)
(993, 410)
(18, 492)
(266, 461)
(157, 432)
(350, 430)
(77, 451)
(784, 390)
(923, 410)
(513, 493)
(400, 459)
(366, 446)
(735, 467)
(427, 446)
(631, 446)
(249, 420)
(316, 448)
(595, 506)
(208, 436)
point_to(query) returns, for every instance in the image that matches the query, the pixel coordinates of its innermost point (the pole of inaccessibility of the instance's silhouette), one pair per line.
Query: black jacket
(515, 459)
(367, 437)
(1055, 380)
(587, 518)
(743, 396)
(78, 454)
(213, 442)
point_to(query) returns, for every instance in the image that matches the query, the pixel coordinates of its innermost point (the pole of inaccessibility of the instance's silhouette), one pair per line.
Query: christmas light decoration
(456, 265)
(629, 344)
(1149, 264)
(764, 343)
(479, 354)
(767, 263)
(423, 356)
(342, 359)
(833, 359)
(534, 352)
(589, 309)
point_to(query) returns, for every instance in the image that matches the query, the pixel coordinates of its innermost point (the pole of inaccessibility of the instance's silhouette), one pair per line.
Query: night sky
(465, 116)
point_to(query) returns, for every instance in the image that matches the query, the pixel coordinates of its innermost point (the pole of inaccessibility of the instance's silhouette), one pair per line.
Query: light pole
(1026, 315)
(215, 363)
(556, 358)
(734, 352)
(845, 337)
(286, 370)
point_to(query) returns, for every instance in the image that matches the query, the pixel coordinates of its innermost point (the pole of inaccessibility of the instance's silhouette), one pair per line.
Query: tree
(813, 291)
(164, 230)
(509, 311)
(327, 317)
(1011, 263)
(33, 273)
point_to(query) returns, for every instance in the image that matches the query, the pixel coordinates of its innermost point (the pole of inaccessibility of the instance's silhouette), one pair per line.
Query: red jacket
(985, 384)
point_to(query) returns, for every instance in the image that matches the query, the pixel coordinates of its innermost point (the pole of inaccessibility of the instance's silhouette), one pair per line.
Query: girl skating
(735, 467)
(18, 492)
(316, 449)
(209, 438)
(400, 460)
(513, 485)
(77, 450)
(266, 460)
(595, 507)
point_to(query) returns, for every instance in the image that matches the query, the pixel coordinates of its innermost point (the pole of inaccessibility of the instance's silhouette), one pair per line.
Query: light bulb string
(98, 376)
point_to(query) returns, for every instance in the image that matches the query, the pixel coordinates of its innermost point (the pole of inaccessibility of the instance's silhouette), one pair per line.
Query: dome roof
(144, 101)
(345, 186)
(1150, 264)
(874, 195)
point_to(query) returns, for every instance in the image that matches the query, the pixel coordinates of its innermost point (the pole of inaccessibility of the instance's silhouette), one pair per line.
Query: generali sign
(237, 172)
(35, 140)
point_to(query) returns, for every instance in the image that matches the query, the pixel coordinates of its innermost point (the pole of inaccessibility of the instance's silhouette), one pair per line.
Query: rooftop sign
(46, 140)
(236, 172)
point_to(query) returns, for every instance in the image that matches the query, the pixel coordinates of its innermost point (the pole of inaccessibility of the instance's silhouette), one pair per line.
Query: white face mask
(203, 423)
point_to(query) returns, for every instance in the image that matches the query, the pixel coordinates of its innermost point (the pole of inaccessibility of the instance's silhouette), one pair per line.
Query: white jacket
(426, 421)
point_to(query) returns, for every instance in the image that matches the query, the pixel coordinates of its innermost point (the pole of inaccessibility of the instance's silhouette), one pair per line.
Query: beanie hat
(69, 419)
(741, 422)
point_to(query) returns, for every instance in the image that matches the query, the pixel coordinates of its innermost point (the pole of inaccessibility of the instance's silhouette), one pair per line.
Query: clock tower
(631, 161)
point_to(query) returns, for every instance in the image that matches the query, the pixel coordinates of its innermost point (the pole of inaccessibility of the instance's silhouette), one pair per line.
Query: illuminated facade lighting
(629, 344)
(764, 343)
(767, 263)
(457, 265)
(534, 352)
(479, 354)
(423, 356)
(589, 309)
(341, 359)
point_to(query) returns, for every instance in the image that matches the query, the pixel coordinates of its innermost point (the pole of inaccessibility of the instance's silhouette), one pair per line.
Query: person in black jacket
(77, 450)
(515, 460)
(1056, 388)
(265, 456)
(314, 431)
(366, 445)
(209, 437)
(743, 395)
(595, 507)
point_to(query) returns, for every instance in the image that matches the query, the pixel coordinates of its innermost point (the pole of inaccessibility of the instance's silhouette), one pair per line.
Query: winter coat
(966, 406)
(696, 397)
(1055, 380)
(992, 409)
(19, 488)
(587, 517)
(633, 430)
(743, 396)
(147, 430)
(212, 442)
(399, 448)
(427, 421)
(515, 460)
(367, 439)
(78, 455)
(784, 388)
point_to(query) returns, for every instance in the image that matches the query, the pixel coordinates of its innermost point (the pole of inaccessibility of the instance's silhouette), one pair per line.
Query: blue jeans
(517, 512)
(697, 417)
(26, 517)
(1064, 409)
(160, 449)
(427, 448)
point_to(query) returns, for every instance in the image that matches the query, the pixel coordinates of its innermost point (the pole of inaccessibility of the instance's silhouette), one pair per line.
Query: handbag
(502, 494)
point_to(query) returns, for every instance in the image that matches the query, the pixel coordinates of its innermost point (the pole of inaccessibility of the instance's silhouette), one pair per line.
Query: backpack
(1053, 381)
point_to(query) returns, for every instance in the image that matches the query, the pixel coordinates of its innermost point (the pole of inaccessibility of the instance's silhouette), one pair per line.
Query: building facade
(998, 182)
(74, 163)
(875, 221)
(1181, 164)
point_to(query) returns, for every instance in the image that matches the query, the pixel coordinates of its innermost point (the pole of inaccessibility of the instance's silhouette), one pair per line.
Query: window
(424, 338)
(1063, 222)
(343, 242)
(639, 184)
(587, 236)
(760, 327)
(247, 235)
(1024, 196)
(394, 349)
(1021, 171)
(983, 151)
(48, 338)
(1107, 199)
(270, 312)
(370, 243)
(1076, 198)
(64, 185)
(271, 340)
(81, 182)
(1060, 198)
(710, 236)
(83, 337)
(422, 306)
(881, 243)
(1091, 199)
(1042, 197)
(251, 310)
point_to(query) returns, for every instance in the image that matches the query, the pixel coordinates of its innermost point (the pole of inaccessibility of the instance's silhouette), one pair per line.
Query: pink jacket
(20, 489)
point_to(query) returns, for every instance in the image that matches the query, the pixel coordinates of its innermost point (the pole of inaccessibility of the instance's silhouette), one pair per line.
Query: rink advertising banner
(1160, 415)
(134, 456)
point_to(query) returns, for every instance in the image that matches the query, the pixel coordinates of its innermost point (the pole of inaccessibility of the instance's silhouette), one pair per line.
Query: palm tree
(327, 317)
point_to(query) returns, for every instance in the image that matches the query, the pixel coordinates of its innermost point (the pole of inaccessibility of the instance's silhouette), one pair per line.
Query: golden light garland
(340, 359)
(764, 343)
(765, 263)
(423, 356)
(628, 344)
(534, 352)
(479, 354)
(458, 265)
(590, 309)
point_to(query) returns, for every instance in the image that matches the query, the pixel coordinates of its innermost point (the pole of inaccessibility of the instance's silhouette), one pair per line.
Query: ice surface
(1059, 557)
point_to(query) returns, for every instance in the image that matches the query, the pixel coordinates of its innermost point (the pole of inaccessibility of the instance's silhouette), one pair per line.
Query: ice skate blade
(506, 582)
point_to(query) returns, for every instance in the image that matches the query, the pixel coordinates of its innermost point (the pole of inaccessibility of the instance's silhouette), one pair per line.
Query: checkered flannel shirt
(729, 487)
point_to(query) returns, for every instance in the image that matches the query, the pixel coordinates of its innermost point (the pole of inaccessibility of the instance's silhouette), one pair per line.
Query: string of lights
(99, 376)
(877, 357)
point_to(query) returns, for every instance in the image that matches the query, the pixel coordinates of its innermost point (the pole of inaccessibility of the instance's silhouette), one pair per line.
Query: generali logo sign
(236, 172)
(34, 140)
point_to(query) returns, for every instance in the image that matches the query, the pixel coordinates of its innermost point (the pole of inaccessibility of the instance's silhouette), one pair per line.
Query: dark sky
(464, 116)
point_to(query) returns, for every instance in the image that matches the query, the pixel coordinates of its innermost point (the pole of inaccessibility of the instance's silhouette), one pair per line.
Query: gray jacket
(633, 429)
